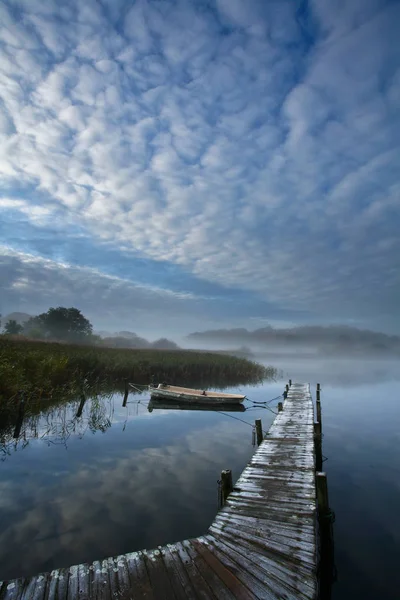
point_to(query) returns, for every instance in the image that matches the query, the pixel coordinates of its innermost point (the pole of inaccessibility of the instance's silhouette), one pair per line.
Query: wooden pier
(262, 544)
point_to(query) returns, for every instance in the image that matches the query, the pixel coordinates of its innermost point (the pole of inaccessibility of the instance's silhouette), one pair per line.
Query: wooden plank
(215, 583)
(180, 582)
(230, 580)
(124, 582)
(202, 588)
(248, 580)
(57, 586)
(286, 570)
(84, 576)
(73, 583)
(158, 575)
(11, 590)
(100, 583)
(141, 586)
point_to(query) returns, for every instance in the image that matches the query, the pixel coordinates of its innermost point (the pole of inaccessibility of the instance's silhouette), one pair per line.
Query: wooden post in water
(20, 418)
(126, 392)
(319, 415)
(325, 518)
(318, 446)
(280, 406)
(318, 433)
(290, 382)
(322, 494)
(81, 405)
(287, 388)
(285, 395)
(259, 432)
(226, 484)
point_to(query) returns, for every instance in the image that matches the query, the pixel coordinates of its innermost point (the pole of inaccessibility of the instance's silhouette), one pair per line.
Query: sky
(168, 166)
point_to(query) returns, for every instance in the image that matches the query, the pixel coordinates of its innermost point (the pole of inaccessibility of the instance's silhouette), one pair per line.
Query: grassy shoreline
(42, 369)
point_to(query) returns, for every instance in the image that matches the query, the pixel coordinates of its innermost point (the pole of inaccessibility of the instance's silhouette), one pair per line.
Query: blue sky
(168, 166)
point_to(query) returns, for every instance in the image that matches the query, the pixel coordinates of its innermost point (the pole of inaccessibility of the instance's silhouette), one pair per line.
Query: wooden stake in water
(126, 392)
(81, 405)
(318, 446)
(290, 382)
(280, 406)
(259, 432)
(226, 484)
(322, 494)
(20, 418)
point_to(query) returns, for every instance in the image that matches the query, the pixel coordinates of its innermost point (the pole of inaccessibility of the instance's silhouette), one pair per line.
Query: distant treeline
(69, 325)
(330, 340)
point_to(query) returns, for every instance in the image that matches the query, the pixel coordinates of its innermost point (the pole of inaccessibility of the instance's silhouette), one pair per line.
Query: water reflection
(116, 479)
(113, 480)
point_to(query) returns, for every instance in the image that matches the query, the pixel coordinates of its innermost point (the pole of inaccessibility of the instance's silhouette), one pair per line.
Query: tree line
(64, 324)
(69, 325)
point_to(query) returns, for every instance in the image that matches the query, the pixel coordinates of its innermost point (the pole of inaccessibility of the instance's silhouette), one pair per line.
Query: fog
(305, 341)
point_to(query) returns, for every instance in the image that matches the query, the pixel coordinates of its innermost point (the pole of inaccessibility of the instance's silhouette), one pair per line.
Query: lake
(120, 479)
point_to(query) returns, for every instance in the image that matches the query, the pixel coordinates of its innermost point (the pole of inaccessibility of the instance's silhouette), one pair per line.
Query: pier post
(287, 388)
(280, 406)
(81, 405)
(322, 494)
(290, 383)
(20, 418)
(285, 395)
(325, 519)
(226, 484)
(318, 446)
(259, 431)
(126, 392)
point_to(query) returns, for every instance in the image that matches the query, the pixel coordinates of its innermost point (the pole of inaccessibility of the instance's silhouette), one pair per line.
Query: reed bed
(40, 370)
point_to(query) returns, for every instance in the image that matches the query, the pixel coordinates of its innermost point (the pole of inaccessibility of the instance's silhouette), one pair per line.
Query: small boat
(182, 394)
(177, 405)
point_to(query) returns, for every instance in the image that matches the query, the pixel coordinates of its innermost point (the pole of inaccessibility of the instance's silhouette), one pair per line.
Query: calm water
(119, 479)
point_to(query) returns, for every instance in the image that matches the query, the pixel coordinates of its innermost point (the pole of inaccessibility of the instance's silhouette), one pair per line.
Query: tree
(164, 344)
(13, 328)
(67, 324)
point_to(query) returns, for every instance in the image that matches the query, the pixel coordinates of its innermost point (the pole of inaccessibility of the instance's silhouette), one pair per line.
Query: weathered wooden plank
(84, 575)
(248, 580)
(202, 588)
(158, 576)
(294, 551)
(266, 529)
(265, 522)
(12, 590)
(251, 564)
(100, 583)
(286, 570)
(73, 583)
(124, 582)
(178, 577)
(57, 586)
(215, 583)
(141, 586)
(230, 580)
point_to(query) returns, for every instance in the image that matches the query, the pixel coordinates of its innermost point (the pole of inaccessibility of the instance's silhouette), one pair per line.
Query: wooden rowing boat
(182, 394)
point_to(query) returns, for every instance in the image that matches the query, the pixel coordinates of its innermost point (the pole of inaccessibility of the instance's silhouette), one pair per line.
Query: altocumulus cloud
(253, 144)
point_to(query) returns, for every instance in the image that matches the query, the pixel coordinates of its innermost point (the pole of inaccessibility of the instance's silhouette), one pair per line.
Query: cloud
(240, 144)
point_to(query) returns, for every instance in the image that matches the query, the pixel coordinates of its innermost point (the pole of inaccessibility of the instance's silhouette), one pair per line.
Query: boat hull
(156, 404)
(163, 393)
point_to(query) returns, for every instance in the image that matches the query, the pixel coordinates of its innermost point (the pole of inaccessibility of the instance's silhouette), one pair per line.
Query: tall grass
(42, 369)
